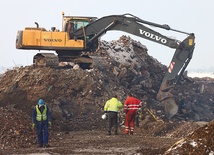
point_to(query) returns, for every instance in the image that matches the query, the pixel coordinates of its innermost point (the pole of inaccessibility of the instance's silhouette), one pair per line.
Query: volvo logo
(153, 36)
(53, 40)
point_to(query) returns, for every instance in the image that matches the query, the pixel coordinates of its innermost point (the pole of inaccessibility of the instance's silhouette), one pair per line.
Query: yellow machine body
(41, 39)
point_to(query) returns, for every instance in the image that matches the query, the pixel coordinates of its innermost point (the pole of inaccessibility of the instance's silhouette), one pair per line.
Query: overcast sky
(193, 16)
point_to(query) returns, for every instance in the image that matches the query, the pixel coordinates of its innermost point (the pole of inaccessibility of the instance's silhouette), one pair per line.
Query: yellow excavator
(80, 35)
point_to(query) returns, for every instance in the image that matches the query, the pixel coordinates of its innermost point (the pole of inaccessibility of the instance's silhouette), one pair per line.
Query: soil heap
(76, 96)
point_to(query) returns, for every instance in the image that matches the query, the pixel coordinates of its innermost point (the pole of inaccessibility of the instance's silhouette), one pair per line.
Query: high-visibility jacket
(41, 116)
(131, 105)
(113, 105)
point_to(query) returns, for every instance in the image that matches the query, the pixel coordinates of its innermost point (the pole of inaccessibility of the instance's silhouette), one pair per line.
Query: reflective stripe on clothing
(129, 123)
(41, 116)
(126, 129)
(132, 104)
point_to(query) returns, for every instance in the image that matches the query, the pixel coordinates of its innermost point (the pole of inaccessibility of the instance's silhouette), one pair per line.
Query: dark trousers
(112, 122)
(42, 132)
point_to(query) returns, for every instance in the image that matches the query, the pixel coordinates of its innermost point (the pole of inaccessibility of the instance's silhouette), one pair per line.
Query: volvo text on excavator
(80, 35)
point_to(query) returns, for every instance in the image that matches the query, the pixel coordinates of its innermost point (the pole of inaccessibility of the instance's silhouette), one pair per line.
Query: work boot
(46, 145)
(40, 145)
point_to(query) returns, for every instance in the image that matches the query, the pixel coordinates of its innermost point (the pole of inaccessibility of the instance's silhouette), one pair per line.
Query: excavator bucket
(167, 99)
(170, 107)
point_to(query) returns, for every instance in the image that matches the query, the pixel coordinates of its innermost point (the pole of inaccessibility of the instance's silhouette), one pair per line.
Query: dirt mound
(76, 97)
(201, 141)
(14, 126)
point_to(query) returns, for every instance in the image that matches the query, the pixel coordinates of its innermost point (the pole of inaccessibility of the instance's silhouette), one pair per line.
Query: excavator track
(98, 61)
(84, 61)
(45, 59)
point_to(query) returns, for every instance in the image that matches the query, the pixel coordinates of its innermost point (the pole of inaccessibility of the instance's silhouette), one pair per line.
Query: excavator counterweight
(80, 35)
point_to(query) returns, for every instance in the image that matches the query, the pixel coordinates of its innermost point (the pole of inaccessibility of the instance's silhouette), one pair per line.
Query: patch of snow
(129, 151)
(122, 53)
(200, 75)
(194, 144)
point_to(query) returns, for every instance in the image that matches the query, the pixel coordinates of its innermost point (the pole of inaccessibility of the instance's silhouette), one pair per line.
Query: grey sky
(192, 16)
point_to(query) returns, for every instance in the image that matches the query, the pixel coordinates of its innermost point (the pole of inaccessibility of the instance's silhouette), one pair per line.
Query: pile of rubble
(201, 141)
(76, 97)
(14, 126)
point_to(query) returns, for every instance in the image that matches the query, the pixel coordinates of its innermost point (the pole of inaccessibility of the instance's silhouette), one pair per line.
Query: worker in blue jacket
(41, 118)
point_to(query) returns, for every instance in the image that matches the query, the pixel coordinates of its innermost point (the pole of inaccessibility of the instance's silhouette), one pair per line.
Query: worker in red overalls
(131, 105)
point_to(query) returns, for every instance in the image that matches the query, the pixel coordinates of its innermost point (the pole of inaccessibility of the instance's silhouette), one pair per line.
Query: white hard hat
(104, 116)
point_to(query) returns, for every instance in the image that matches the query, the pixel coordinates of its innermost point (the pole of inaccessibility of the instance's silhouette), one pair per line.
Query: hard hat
(41, 102)
(104, 116)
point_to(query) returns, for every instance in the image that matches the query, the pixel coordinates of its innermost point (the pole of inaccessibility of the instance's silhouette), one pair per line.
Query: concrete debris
(201, 141)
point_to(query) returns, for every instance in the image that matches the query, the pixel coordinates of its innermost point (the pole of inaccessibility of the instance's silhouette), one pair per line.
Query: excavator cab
(73, 23)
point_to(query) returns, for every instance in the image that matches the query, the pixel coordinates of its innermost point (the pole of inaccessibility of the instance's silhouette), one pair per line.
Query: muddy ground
(98, 142)
(150, 138)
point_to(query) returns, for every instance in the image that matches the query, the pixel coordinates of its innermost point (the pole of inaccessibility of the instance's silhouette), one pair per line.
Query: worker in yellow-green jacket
(41, 119)
(112, 107)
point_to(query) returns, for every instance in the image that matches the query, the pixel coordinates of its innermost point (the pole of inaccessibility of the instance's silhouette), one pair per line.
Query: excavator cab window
(79, 24)
(74, 25)
(69, 27)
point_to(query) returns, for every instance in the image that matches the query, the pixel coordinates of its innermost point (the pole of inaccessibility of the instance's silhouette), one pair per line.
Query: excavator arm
(127, 23)
(136, 26)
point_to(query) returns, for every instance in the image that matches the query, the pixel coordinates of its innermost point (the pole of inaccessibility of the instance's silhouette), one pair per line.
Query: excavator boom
(129, 24)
